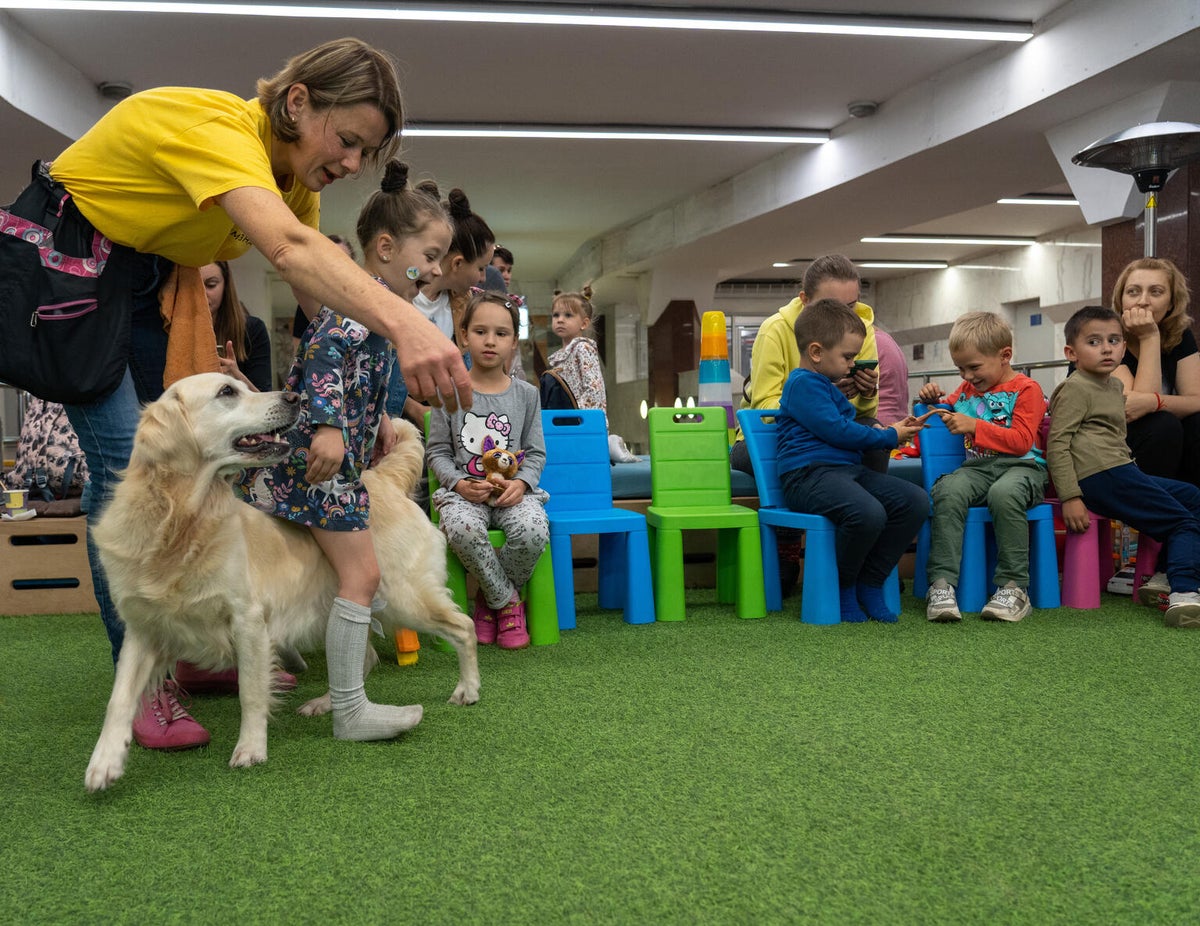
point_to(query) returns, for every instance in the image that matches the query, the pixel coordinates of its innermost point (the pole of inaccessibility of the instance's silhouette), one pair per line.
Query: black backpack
(555, 392)
(65, 298)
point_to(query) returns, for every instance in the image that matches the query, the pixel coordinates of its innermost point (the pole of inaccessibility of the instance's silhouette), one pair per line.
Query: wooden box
(44, 567)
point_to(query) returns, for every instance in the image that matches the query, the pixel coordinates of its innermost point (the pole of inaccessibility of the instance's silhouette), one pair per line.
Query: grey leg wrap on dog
(354, 717)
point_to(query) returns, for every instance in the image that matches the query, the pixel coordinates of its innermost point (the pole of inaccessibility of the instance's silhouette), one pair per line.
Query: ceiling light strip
(1039, 201)
(567, 15)
(902, 264)
(619, 132)
(949, 239)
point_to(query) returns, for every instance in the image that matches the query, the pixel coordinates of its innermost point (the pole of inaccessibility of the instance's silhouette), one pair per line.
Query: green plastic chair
(689, 483)
(541, 604)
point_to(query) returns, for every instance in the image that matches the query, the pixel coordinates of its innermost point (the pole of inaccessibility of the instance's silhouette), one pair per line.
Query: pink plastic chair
(1087, 562)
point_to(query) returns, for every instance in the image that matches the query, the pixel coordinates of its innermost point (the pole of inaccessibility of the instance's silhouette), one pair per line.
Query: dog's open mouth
(265, 444)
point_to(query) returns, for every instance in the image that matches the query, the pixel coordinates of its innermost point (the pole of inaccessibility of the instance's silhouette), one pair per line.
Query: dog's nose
(291, 398)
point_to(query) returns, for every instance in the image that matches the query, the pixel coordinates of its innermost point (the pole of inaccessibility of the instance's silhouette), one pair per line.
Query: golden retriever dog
(197, 574)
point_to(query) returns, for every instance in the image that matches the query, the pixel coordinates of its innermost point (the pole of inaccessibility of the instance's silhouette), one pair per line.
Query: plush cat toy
(499, 464)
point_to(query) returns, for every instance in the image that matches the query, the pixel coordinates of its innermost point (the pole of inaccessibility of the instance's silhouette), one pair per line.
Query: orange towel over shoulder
(191, 343)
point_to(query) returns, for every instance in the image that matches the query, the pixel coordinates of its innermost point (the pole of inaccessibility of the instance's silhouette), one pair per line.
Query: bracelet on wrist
(1158, 399)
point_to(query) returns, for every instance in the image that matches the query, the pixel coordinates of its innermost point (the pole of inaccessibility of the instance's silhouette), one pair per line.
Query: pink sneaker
(511, 632)
(163, 723)
(195, 680)
(485, 620)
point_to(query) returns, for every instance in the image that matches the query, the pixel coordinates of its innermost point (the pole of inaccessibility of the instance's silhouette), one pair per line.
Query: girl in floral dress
(578, 360)
(341, 374)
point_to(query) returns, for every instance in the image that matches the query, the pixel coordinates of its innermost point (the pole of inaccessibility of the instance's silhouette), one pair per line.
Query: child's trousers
(876, 516)
(500, 572)
(1009, 487)
(1166, 509)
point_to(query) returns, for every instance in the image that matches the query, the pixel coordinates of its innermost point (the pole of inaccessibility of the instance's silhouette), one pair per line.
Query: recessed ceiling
(547, 199)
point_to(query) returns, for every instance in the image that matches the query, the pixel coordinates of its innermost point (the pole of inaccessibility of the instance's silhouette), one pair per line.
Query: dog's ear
(164, 432)
(154, 438)
(520, 457)
(488, 443)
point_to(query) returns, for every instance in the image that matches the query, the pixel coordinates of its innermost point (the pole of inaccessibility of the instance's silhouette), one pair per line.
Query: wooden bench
(44, 567)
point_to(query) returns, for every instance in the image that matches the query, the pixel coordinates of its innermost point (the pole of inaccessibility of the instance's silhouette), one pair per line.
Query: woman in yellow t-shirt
(188, 176)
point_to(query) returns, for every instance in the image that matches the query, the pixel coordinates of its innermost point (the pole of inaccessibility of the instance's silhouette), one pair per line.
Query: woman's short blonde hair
(1177, 320)
(343, 72)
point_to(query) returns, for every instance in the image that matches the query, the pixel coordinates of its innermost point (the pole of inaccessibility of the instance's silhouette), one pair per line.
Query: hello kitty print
(476, 430)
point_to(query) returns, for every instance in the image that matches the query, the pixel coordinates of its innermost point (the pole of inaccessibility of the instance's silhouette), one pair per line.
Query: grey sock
(354, 717)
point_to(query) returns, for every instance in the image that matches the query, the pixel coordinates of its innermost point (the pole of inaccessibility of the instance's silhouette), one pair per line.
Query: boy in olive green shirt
(1092, 469)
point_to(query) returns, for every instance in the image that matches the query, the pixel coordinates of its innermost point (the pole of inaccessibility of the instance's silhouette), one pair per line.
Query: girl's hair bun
(460, 206)
(430, 187)
(395, 177)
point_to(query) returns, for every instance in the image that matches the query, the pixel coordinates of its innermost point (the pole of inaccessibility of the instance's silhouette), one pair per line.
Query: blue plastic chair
(942, 452)
(578, 476)
(819, 593)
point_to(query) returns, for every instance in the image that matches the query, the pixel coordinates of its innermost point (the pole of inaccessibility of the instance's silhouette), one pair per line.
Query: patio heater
(1150, 152)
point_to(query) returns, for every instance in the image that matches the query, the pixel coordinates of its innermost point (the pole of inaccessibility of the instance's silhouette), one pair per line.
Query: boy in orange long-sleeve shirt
(999, 411)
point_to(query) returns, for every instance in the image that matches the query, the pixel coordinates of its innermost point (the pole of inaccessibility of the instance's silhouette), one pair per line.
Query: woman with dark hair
(179, 177)
(243, 342)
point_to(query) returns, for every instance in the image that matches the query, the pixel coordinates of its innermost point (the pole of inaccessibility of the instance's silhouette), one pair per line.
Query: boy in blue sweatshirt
(820, 463)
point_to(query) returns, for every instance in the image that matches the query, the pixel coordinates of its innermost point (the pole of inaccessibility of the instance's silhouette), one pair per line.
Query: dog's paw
(465, 694)
(103, 770)
(245, 756)
(316, 707)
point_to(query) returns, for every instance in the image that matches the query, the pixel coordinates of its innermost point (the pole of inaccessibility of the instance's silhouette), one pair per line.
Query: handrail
(928, 375)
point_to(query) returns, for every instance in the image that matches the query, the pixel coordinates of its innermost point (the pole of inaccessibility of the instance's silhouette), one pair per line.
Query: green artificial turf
(710, 771)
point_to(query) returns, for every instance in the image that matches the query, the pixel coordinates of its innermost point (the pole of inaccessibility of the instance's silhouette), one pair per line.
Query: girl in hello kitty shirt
(507, 414)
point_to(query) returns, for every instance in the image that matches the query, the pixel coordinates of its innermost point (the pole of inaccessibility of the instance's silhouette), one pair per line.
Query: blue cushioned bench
(631, 490)
(632, 480)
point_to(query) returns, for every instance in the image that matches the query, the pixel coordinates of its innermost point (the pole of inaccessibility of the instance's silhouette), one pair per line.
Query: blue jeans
(1166, 509)
(876, 516)
(105, 427)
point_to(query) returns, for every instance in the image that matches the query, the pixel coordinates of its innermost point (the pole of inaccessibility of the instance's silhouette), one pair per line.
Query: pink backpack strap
(43, 240)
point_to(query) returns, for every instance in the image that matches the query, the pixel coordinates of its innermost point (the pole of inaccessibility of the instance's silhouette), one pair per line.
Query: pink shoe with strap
(485, 620)
(511, 632)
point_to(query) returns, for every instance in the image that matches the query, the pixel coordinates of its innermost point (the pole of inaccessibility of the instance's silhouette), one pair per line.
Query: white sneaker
(1183, 609)
(1010, 603)
(1154, 589)
(942, 606)
(618, 450)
